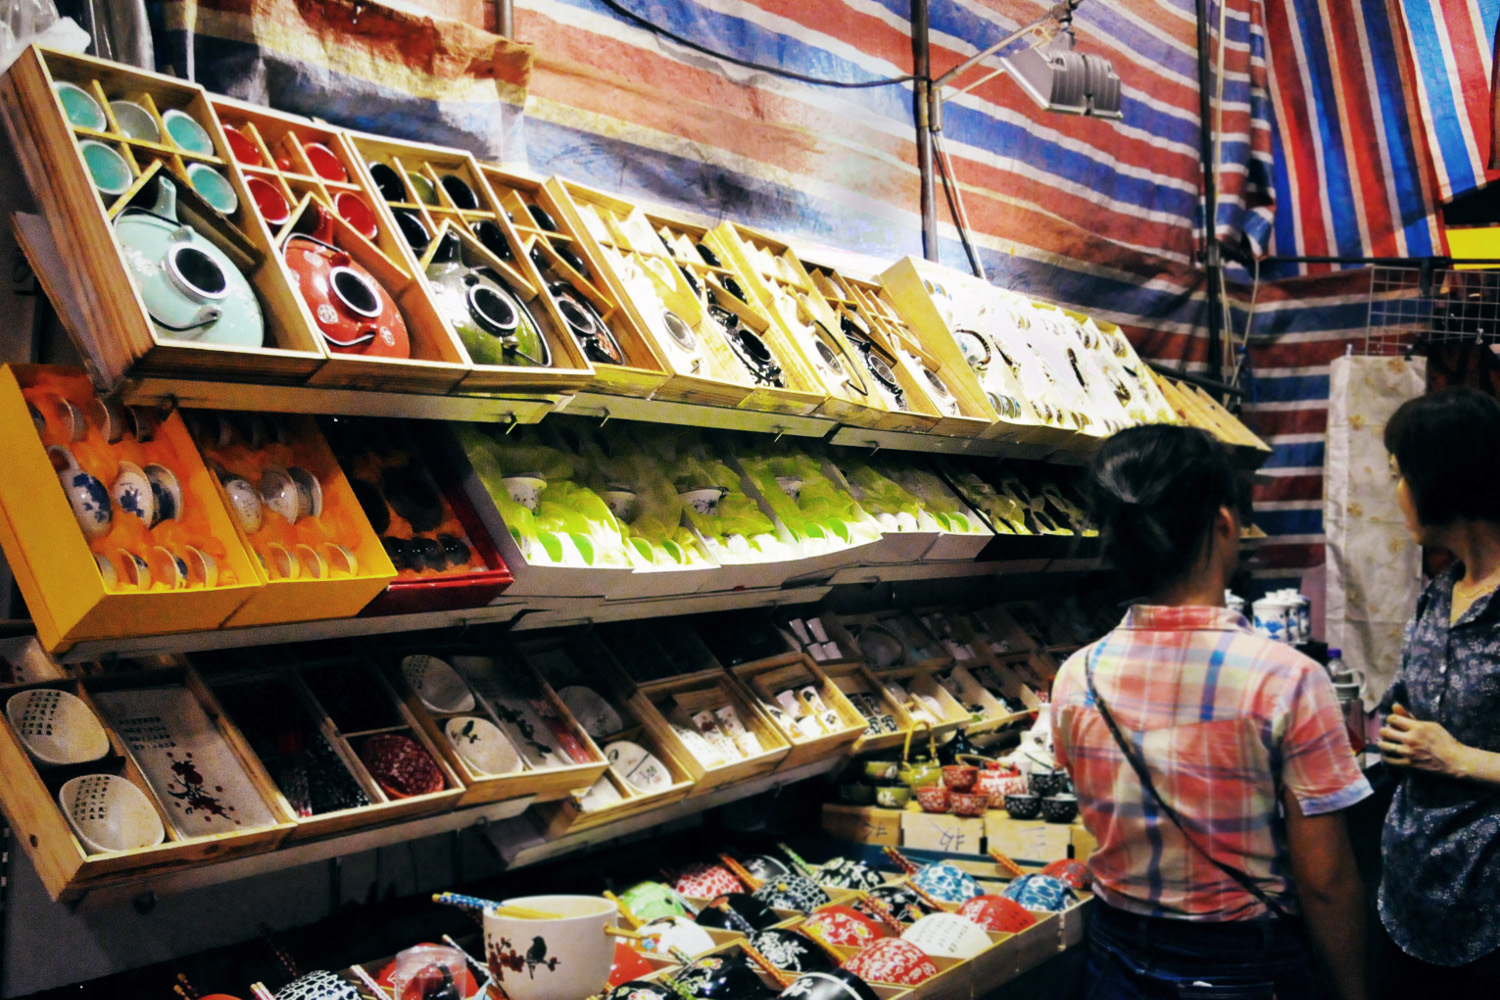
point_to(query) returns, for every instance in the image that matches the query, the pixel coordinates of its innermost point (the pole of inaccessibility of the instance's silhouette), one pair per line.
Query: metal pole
(505, 18)
(1212, 266)
(921, 67)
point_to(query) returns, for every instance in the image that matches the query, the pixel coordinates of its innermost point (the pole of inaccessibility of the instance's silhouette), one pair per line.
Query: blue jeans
(1147, 958)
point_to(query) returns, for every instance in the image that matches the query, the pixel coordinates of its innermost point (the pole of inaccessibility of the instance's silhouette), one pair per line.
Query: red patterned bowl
(934, 798)
(960, 777)
(970, 803)
(400, 765)
(705, 881)
(997, 914)
(892, 960)
(1075, 873)
(998, 782)
(843, 926)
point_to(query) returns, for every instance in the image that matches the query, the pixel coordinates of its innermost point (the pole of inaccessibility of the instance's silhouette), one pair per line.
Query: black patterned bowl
(1060, 808)
(1023, 806)
(737, 911)
(1046, 783)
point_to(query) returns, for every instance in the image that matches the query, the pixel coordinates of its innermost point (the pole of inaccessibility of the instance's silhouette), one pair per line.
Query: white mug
(567, 958)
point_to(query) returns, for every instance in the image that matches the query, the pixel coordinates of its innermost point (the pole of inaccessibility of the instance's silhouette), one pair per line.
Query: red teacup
(970, 803)
(960, 777)
(933, 798)
(269, 201)
(997, 914)
(353, 210)
(1071, 871)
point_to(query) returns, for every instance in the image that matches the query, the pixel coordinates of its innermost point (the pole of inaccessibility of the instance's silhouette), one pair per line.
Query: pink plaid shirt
(1223, 719)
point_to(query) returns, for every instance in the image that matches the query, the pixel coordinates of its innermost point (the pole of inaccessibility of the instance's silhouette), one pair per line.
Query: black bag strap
(1139, 766)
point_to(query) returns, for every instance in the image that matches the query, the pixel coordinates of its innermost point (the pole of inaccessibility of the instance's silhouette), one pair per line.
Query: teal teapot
(495, 326)
(191, 288)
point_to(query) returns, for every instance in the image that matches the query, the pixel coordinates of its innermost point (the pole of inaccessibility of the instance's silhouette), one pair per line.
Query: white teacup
(201, 567)
(132, 493)
(280, 493)
(86, 494)
(244, 502)
(567, 958)
(525, 490)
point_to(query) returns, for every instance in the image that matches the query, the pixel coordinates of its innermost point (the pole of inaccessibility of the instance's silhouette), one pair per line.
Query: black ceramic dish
(903, 902)
(491, 238)
(792, 892)
(1023, 806)
(1060, 808)
(835, 985)
(542, 218)
(737, 911)
(791, 951)
(388, 182)
(763, 867)
(412, 230)
(1046, 783)
(642, 989)
(721, 977)
(458, 190)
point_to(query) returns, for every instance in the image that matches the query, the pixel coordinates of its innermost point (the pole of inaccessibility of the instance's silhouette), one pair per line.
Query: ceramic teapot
(496, 327)
(191, 288)
(352, 311)
(753, 352)
(586, 325)
(924, 769)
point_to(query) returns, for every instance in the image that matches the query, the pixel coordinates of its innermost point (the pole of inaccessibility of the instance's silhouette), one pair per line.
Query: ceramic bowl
(1075, 873)
(592, 710)
(621, 503)
(947, 934)
(425, 190)
(1041, 892)
(1045, 783)
(482, 745)
(183, 129)
(728, 976)
(792, 892)
(1023, 806)
(881, 770)
(525, 490)
(891, 960)
(934, 798)
(970, 803)
(848, 873)
(946, 883)
(892, 796)
(79, 106)
(86, 494)
(737, 911)
(642, 989)
(836, 984)
(459, 192)
(107, 168)
(997, 914)
(57, 727)
(318, 986)
(278, 492)
(1060, 808)
(244, 502)
(387, 181)
(901, 901)
(704, 501)
(242, 148)
(132, 493)
(680, 933)
(309, 491)
(702, 880)
(790, 951)
(325, 163)
(214, 188)
(960, 777)
(565, 958)
(437, 684)
(857, 794)
(269, 201)
(844, 927)
(357, 212)
(400, 765)
(166, 492)
(764, 867)
(648, 901)
(110, 813)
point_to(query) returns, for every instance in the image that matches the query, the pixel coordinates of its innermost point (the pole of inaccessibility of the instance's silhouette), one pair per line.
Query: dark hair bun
(1155, 492)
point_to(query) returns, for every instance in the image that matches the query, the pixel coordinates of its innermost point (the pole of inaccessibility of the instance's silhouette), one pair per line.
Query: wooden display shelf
(763, 679)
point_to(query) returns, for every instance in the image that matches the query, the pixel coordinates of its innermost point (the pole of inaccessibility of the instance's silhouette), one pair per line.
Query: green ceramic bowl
(80, 107)
(214, 187)
(107, 168)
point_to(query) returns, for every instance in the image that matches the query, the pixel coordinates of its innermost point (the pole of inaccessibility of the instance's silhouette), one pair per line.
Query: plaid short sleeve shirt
(1224, 720)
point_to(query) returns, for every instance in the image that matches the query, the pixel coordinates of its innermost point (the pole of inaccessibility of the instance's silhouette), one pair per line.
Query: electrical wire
(657, 29)
(955, 203)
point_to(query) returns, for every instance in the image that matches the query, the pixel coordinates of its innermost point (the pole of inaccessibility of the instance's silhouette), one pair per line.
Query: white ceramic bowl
(595, 714)
(437, 684)
(57, 727)
(637, 765)
(567, 958)
(482, 745)
(947, 934)
(110, 814)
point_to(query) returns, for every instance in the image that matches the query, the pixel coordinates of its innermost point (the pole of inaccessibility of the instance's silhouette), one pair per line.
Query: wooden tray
(763, 679)
(77, 251)
(570, 369)
(853, 677)
(643, 372)
(29, 797)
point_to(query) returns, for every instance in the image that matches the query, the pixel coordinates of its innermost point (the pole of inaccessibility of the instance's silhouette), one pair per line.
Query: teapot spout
(166, 198)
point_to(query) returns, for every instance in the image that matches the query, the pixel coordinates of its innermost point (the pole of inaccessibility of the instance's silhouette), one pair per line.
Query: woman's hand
(1423, 746)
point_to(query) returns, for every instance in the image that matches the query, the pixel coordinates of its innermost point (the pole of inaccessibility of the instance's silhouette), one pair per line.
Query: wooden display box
(570, 370)
(318, 590)
(75, 254)
(67, 870)
(656, 704)
(854, 678)
(794, 671)
(437, 362)
(544, 785)
(774, 276)
(55, 565)
(942, 832)
(863, 824)
(1027, 839)
(908, 283)
(309, 686)
(646, 654)
(573, 657)
(642, 372)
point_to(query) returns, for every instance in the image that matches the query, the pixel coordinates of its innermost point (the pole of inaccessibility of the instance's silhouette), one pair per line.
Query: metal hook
(874, 447)
(780, 433)
(510, 423)
(605, 411)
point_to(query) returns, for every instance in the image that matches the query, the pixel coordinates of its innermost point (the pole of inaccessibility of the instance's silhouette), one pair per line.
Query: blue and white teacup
(133, 494)
(86, 494)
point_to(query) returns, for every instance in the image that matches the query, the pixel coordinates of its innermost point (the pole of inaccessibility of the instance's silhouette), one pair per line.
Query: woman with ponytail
(1211, 764)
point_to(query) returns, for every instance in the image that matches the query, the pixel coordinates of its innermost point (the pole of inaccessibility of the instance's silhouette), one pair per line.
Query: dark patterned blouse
(1440, 889)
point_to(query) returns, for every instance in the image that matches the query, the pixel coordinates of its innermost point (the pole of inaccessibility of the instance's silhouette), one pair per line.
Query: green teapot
(925, 769)
(192, 290)
(495, 326)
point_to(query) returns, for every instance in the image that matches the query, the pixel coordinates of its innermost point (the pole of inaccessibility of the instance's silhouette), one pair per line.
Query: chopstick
(370, 983)
(477, 904)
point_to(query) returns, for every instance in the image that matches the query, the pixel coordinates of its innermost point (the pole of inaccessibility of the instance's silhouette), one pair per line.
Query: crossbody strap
(1139, 766)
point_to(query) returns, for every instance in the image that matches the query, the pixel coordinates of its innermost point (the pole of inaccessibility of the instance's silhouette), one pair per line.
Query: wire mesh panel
(1412, 308)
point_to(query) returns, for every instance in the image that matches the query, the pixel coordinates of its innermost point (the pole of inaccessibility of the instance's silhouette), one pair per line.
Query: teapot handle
(906, 748)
